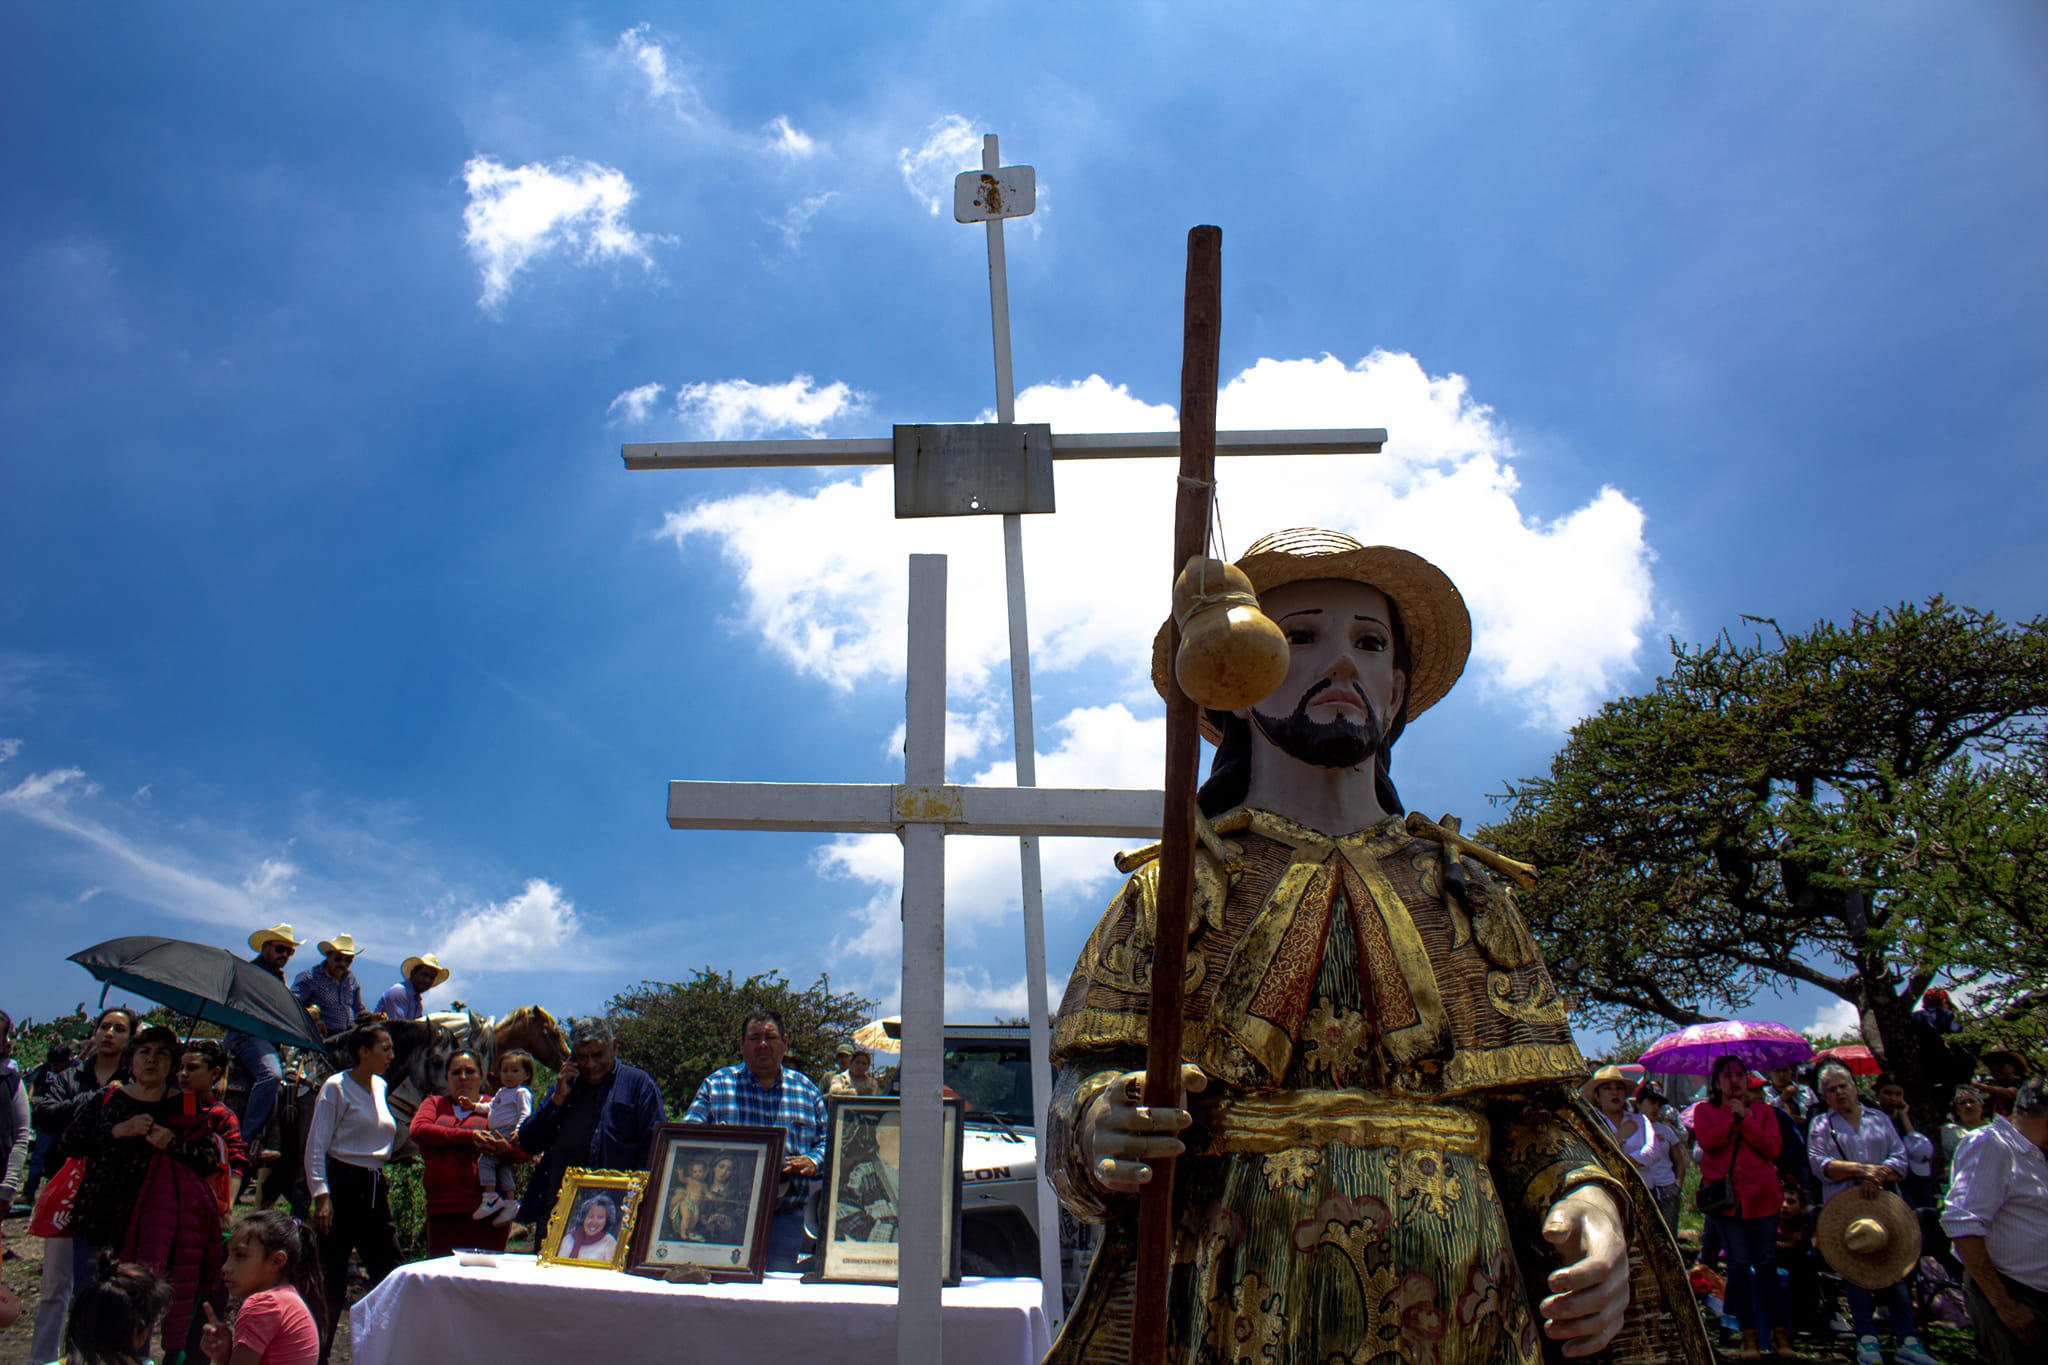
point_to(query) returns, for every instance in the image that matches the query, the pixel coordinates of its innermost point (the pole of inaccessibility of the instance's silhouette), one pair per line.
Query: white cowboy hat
(340, 943)
(276, 933)
(441, 973)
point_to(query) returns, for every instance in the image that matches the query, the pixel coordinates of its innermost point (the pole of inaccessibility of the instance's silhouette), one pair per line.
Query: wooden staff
(1200, 344)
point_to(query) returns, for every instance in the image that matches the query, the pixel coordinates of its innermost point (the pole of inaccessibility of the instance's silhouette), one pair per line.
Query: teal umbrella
(204, 982)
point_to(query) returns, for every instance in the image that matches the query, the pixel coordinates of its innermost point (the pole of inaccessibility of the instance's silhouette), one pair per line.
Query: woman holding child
(452, 1131)
(143, 1193)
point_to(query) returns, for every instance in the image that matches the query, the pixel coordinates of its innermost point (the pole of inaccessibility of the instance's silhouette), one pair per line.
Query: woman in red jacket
(1738, 1138)
(449, 1136)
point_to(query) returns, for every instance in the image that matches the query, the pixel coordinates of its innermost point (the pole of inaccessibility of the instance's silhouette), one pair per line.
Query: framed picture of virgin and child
(862, 1176)
(710, 1199)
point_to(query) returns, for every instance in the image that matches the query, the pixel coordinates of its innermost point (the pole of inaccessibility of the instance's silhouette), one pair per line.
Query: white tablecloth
(441, 1312)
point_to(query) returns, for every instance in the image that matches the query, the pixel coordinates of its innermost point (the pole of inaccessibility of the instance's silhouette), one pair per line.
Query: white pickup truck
(989, 1066)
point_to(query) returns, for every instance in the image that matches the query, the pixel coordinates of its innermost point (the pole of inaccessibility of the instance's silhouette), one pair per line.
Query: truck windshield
(993, 1077)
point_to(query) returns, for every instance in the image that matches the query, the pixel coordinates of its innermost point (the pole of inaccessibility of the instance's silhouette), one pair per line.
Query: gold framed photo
(592, 1224)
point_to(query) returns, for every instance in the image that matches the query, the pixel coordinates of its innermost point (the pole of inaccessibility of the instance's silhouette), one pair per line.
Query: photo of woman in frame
(593, 1219)
(593, 1232)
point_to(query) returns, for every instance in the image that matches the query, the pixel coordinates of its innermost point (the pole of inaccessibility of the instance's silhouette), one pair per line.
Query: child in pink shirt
(274, 1274)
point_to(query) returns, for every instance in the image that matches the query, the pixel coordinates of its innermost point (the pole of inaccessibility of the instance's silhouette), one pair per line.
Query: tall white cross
(1000, 468)
(922, 810)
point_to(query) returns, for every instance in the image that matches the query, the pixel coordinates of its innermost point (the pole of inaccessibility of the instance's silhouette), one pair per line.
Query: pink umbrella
(1691, 1050)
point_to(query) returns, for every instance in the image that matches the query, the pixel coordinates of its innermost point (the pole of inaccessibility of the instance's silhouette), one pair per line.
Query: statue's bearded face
(1341, 689)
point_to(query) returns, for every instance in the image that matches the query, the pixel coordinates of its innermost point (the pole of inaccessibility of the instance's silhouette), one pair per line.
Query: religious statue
(1383, 1155)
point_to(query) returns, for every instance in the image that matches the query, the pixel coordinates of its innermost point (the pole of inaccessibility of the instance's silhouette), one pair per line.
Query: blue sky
(324, 596)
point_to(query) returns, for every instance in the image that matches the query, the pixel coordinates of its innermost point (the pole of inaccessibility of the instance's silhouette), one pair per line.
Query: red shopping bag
(52, 1216)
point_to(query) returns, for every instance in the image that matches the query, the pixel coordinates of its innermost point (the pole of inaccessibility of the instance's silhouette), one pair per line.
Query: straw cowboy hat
(276, 933)
(423, 960)
(340, 943)
(1869, 1240)
(1606, 1075)
(1433, 614)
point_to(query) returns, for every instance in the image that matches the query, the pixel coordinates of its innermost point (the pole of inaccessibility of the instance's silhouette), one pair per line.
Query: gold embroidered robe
(1392, 1111)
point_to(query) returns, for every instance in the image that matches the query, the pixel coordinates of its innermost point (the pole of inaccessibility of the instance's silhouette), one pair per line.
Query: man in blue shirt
(331, 987)
(761, 1092)
(259, 1057)
(404, 999)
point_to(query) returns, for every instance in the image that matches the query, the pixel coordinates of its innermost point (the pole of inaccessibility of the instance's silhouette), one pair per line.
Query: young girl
(273, 1272)
(508, 1109)
(113, 1318)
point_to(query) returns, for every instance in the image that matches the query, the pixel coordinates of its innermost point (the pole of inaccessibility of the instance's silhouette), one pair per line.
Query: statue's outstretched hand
(1119, 1134)
(1589, 1293)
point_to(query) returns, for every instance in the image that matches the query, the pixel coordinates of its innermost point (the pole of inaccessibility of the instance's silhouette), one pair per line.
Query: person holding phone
(600, 1114)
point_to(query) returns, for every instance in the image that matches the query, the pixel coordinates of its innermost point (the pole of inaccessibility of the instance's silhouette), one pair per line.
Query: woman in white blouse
(345, 1155)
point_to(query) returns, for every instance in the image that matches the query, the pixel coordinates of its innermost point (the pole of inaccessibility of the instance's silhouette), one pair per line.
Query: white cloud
(1836, 1018)
(49, 791)
(1559, 608)
(9, 748)
(967, 734)
(353, 875)
(790, 140)
(665, 85)
(271, 881)
(631, 406)
(530, 929)
(738, 409)
(796, 220)
(518, 214)
(950, 146)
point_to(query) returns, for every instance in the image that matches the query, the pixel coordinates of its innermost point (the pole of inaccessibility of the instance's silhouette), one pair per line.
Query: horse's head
(534, 1029)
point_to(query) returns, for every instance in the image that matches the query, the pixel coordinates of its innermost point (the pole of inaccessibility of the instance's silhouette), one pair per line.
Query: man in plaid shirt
(759, 1092)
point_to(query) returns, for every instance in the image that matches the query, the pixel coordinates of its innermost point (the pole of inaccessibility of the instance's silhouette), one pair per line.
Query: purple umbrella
(1691, 1051)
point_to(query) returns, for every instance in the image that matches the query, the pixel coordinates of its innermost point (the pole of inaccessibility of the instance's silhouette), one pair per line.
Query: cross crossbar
(882, 808)
(879, 450)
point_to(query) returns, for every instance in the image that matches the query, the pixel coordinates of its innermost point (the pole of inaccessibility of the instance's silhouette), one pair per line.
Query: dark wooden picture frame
(687, 1225)
(857, 1243)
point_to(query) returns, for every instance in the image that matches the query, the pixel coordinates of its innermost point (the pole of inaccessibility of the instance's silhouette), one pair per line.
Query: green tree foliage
(1848, 807)
(682, 1031)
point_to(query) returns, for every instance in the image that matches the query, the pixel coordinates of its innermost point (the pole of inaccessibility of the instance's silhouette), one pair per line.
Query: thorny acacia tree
(1848, 807)
(682, 1031)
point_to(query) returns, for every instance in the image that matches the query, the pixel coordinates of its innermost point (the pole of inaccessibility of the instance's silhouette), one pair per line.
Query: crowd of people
(133, 1166)
(1775, 1152)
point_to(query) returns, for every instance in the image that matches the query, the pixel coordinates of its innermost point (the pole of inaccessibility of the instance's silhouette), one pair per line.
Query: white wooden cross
(923, 810)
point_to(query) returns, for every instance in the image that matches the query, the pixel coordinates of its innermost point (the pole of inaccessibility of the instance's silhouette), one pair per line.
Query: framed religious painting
(592, 1223)
(862, 1180)
(710, 1200)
